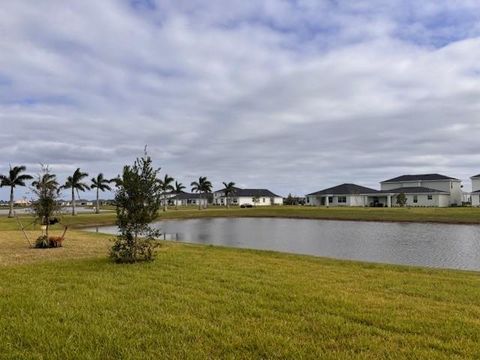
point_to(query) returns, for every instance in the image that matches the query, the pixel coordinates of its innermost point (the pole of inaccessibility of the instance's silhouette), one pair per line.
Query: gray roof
(476, 192)
(417, 177)
(414, 190)
(186, 196)
(346, 189)
(251, 192)
(476, 176)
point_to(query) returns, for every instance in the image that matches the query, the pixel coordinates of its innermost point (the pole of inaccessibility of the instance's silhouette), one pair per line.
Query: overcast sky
(294, 96)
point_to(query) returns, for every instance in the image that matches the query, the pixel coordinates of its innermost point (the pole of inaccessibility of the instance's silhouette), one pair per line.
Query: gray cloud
(293, 96)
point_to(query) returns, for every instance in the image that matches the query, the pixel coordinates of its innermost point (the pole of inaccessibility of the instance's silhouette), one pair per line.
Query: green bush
(137, 202)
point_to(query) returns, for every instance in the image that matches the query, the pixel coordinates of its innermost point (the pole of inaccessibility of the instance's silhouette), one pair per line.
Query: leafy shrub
(42, 242)
(137, 200)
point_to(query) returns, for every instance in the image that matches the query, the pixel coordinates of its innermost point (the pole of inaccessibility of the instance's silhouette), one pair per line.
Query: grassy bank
(460, 215)
(209, 302)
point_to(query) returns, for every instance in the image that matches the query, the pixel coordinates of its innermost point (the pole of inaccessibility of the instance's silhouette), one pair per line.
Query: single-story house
(254, 197)
(345, 195)
(187, 199)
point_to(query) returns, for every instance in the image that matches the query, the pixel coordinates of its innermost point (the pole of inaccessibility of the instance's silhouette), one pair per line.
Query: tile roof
(346, 189)
(419, 177)
(414, 190)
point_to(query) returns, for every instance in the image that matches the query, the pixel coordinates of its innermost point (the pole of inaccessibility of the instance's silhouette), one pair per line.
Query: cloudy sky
(293, 95)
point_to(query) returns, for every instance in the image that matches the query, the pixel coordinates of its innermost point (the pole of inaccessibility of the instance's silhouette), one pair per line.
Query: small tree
(256, 200)
(401, 199)
(290, 200)
(45, 205)
(137, 199)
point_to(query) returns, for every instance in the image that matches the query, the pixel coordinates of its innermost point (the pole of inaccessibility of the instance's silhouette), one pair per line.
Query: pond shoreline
(290, 217)
(419, 244)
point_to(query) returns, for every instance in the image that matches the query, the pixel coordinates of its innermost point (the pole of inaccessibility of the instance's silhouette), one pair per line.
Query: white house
(187, 199)
(425, 189)
(347, 195)
(475, 190)
(420, 190)
(257, 197)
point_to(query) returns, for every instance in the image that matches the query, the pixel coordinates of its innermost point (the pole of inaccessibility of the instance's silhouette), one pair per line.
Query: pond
(431, 245)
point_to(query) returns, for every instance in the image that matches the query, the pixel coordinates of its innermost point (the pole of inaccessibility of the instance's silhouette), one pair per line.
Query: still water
(432, 245)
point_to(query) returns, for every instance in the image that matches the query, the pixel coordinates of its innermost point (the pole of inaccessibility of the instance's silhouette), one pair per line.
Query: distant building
(187, 199)
(254, 197)
(420, 190)
(345, 195)
(426, 189)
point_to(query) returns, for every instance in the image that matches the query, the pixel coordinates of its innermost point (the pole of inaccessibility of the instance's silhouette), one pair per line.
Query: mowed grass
(210, 302)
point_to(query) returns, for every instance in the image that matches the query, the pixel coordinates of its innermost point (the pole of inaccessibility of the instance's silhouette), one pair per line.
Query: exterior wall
(451, 186)
(312, 200)
(438, 200)
(357, 200)
(351, 200)
(188, 202)
(475, 199)
(278, 200)
(219, 199)
(475, 184)
(395, 185)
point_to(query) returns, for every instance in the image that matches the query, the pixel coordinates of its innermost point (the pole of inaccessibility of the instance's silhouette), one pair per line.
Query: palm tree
(101, 184)
(46, 181)
(229, 190)
(75, 183)
(179, 187)
(13, 179)
(202, 186)
(166, 186)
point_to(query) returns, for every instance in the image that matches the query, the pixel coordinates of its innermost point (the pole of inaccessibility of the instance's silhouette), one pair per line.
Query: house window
(415, 199)
(342, 199)
(330, 199)
(263, 200)
(430, 197)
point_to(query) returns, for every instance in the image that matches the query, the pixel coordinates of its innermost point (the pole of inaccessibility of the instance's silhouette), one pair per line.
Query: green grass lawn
(461, 215)
(199, 302)
(210, 302)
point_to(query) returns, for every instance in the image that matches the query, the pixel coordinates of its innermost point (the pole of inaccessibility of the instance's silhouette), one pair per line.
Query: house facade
(254, 197)
(345, 195)
(432, 190)
(425, 189)
(188, 199)
(475, 196)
